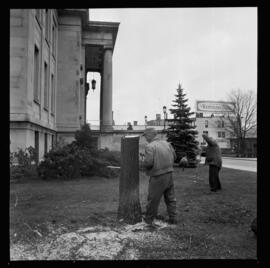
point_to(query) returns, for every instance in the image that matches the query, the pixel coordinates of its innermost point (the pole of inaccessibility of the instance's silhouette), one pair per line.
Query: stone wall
(112, 141)
(69, 95)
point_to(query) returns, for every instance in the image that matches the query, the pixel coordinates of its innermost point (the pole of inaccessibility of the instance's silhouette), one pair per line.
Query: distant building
(156, 122)
(251, 143)
(216, 127)
(211, 119)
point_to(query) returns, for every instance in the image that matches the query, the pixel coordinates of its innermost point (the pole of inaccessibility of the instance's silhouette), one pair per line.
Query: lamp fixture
(93, 83)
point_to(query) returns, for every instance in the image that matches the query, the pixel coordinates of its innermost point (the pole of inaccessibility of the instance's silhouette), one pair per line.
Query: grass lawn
(210, 225)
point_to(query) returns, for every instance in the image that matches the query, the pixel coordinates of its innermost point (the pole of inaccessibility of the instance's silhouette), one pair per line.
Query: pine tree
(181, 133)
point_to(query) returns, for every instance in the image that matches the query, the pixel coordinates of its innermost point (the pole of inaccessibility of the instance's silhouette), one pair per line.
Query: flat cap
(149, 130)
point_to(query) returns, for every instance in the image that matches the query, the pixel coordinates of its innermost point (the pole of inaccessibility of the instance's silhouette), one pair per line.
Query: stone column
(106, 95)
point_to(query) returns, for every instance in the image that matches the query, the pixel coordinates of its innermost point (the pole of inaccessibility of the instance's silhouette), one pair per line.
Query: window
(47, 24)
(36, 75)
(46, 89)
(36, 147)
(52, 141)
(223, 134)
(219, 134)
(206, 123)
(45, 143)
(221, 124)
(54, 38)
(206, 133)
(52, 94)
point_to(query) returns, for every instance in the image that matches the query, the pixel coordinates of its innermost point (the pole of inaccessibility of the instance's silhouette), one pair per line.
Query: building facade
(212, 119)
(51, 52)
(216, 127)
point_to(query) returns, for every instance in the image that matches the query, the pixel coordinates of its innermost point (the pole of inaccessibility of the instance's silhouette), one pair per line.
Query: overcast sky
(210, 51)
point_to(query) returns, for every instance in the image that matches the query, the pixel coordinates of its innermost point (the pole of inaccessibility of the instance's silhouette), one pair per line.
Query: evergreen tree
(181, 133)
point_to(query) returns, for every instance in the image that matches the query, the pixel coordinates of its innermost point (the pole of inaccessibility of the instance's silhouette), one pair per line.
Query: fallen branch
(35, 231)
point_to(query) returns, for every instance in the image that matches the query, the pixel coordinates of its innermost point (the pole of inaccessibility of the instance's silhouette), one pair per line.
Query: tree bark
(129, 201)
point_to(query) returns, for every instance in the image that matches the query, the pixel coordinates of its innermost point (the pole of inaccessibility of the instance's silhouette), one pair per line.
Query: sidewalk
(239, 158)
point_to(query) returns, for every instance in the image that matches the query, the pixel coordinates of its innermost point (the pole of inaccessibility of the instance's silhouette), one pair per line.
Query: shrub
(22, 164)
(113, 157)
(72, 161)
(84, 138)
(79, 158)
(59, 163)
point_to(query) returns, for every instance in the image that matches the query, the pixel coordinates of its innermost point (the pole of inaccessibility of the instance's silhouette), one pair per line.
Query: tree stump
(129, 209)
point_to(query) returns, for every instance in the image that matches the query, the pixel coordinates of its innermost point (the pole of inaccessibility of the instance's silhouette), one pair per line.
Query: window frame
(54, 37)
(46, 88)
(52, 141)
(52, 94)
(36, 141)
(47, 26)
(45, 143)
(36, 71)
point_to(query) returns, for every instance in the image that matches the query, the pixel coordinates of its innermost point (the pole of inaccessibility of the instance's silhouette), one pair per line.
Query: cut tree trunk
(129, 209)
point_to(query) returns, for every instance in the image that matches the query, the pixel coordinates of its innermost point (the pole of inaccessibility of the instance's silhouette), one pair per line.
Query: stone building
(51, 51)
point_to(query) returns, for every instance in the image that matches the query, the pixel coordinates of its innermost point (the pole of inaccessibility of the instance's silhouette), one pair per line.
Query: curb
(238, 158)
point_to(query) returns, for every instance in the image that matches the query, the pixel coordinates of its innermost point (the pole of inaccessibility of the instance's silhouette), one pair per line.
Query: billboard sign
(214, 106)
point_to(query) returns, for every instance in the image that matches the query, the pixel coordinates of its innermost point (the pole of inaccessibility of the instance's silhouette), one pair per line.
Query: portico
(98, 39)
(84, 46)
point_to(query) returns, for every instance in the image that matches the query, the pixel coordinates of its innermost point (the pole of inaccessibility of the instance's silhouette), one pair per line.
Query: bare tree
(242, 119)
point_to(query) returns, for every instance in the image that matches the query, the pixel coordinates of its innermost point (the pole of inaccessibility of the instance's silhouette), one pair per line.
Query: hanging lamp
(93, 83)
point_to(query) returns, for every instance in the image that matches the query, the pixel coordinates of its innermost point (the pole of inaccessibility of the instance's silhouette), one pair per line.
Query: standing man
(158, 163)
(213, 159)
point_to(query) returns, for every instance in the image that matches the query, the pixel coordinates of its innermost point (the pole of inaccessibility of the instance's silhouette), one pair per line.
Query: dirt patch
(92, 243)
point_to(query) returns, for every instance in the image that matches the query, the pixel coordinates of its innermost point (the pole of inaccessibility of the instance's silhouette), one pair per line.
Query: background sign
(214, 106)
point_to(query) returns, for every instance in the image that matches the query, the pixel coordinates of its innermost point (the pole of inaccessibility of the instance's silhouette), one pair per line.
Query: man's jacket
(213, 153)
(159, 157)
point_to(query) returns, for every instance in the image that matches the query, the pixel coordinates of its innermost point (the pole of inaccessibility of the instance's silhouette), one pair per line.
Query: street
(249, 164)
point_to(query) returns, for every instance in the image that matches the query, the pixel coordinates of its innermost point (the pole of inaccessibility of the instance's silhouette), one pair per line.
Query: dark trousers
(158, 186)
(214, 182)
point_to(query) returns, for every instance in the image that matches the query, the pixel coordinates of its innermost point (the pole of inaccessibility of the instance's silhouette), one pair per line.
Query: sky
(209, 51)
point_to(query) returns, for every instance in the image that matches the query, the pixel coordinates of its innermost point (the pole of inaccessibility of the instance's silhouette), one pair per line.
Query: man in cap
(158, 163)
(214, 160)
